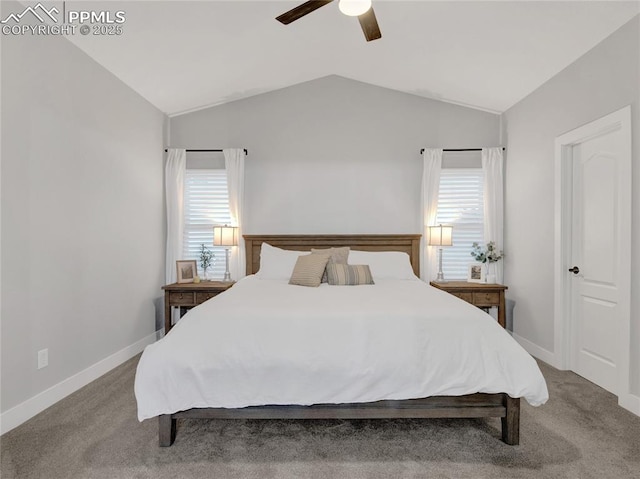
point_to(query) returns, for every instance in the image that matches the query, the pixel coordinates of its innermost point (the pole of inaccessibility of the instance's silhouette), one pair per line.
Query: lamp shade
(354, 8)
(440, 235)
(225, 235)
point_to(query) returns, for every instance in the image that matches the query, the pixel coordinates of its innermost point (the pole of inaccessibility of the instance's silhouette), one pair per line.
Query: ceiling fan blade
(301, 10)
(369, 25)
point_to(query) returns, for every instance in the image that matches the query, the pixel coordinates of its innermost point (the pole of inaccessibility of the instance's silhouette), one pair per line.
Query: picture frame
(187, 270)
(476, 273)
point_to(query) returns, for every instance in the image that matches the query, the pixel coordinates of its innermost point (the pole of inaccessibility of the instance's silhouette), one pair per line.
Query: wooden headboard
(409, 244)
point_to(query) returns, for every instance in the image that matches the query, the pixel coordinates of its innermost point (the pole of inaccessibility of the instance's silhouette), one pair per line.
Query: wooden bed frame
(470, 406)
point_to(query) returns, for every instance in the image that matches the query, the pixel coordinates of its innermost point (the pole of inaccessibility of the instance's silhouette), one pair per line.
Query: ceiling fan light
(354, 8)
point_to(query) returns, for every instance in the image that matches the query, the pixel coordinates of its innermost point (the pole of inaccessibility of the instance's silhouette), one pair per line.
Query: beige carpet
(580, 433)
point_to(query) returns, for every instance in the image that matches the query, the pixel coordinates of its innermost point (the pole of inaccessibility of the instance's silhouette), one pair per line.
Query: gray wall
(334, 155)
(82, 213)
(604, 80)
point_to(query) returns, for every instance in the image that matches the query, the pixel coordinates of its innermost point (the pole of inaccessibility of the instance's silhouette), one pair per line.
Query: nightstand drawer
(468, 297)
(486, 299)
(182, 298)
(202, 297)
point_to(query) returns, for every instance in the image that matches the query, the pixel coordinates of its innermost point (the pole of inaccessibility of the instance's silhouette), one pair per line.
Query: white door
(599, 256)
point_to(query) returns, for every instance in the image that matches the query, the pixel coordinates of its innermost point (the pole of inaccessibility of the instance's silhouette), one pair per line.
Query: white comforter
(267, 342)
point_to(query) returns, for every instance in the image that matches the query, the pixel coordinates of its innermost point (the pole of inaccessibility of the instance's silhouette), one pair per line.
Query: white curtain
(234, 164)
(492, 166)
(432, 165)
(174, 191)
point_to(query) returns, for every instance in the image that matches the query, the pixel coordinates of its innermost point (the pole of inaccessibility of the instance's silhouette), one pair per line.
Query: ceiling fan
(353, 8)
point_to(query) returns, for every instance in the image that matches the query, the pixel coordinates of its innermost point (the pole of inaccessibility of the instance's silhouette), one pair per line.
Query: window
(461, 205)
(206, 203)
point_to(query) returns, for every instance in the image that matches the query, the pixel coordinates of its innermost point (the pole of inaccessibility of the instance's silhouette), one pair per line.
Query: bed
(169, 386)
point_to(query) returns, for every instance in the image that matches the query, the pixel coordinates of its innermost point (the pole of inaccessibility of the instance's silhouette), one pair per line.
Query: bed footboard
(470, 406)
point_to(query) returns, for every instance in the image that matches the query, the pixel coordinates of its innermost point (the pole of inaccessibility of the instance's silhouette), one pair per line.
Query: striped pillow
(309, 269)
(349, 274)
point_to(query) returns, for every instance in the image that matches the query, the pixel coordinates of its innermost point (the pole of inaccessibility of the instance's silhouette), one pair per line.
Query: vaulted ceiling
(185, 55)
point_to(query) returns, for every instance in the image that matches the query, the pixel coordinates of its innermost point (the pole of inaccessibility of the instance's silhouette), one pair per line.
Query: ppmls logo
(93, 22)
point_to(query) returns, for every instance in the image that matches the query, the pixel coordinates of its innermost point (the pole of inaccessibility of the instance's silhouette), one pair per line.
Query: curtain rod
(207, 151)
(459, 149)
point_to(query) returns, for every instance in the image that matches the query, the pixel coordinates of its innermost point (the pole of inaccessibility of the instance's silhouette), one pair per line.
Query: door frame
(563, 327)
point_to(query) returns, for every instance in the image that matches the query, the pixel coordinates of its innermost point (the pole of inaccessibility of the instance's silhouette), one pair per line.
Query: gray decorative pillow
(309, 269)
(338, 256)
(349, 274)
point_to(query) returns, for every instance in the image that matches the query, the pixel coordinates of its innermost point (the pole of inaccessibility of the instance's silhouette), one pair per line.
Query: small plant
(206, 258)
(486, 255)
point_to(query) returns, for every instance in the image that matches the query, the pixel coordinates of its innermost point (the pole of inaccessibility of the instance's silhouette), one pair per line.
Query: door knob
(574, 270)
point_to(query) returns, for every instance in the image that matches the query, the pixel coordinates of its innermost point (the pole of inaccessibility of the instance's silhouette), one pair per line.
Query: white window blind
(206, 203)
(461, 205)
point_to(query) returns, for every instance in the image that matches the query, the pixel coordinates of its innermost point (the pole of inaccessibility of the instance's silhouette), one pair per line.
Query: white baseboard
(38, 403)
(537, 351)
(630, 402)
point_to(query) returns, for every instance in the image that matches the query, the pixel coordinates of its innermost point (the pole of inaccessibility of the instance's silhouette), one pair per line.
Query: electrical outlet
(43, 358)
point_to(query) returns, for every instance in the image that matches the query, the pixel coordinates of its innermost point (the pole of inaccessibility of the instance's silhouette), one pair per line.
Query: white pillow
(276, 263)
(384, 264)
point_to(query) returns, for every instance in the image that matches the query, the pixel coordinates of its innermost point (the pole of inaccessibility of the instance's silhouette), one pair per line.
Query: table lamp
(440, 236)
(225, 236)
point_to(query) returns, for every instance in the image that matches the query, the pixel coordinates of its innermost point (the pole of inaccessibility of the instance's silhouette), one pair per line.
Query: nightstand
(188, 295)
(482, 295)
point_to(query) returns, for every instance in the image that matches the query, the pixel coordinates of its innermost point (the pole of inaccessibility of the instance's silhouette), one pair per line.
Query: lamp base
(440, 276)
(227, 274)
